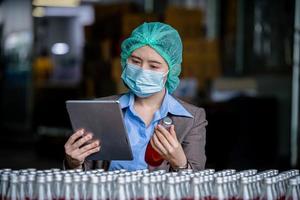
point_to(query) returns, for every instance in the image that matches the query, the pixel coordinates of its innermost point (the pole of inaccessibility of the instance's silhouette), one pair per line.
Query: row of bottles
(56, 184)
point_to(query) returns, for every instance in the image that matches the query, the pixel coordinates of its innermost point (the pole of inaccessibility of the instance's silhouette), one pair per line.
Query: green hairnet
(165, 40)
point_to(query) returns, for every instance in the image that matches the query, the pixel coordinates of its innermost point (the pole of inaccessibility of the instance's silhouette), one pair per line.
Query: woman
(151, 61)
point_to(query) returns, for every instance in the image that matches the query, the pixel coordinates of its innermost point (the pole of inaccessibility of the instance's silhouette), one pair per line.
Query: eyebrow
(136, 57)
(154, 61)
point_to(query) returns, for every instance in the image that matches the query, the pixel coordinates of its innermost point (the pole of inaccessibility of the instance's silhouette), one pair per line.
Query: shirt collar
(169, 104)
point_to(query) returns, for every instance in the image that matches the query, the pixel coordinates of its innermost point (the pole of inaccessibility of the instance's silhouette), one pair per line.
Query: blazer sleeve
(194, 142)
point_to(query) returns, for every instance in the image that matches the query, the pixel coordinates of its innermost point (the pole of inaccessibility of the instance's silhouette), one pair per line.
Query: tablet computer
(104, 119)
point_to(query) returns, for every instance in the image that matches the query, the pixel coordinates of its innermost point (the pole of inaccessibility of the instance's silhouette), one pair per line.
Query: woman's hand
(166, 144)
(79, 146)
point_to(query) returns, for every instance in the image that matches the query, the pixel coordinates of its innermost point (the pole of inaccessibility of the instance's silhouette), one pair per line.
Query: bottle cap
(167, 121)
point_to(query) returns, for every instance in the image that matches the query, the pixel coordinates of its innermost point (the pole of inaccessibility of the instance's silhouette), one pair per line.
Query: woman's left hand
(166, 144)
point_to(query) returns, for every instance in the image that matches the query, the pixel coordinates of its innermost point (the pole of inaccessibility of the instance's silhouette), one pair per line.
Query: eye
(134, 61)
(154, 67)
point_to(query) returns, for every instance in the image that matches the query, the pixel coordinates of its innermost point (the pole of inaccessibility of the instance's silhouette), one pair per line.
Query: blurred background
(237, 64)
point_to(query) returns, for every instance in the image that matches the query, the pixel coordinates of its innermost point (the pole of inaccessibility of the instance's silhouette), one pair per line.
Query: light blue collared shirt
(138, 134)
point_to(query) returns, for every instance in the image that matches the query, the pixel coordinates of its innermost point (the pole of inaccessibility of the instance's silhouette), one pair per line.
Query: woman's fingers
(154, 147)
(172, 141)
(74, 137)
(163, 140)
(172, 131)
(82, 140)
(89, 152)
(77, 149)
(89, 146)
(158, 145)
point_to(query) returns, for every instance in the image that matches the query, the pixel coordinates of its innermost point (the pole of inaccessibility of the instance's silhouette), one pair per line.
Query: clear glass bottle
(66, 192)
(22, 186)
(153, 190)
(84, 186)
(234, 186)
(195, 192)
(110, 186)
(12, 192)
(281, 187)
(268, 190)
(57, 186)
(4, 183)
(93, 188)
(76, 187)
(231, 193)
(245, 190)
(31, 185)
(102, 193)
(170, 192)
(219, 193)
(144, 192)
(40, 188)
(120, 191)
(49, 186)
(293, 191)
(134, 186)
(128, 188)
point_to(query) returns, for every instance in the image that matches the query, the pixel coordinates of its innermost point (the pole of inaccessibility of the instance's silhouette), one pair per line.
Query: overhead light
(60, 48)
(56, 3)
(38, 12)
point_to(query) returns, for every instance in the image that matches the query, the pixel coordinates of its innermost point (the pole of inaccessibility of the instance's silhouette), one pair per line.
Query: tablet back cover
(104, 119)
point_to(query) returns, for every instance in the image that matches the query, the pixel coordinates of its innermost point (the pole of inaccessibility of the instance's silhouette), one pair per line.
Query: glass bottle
(195, 192)
(293, 191)
(170, 193)
(230, 189)
(40, 188)
(245, 190)
(12, 192)
(134, 186)
(152, 157)
(120, 191)
(84, 186)
(31, 185)
(93, 190)
(49, 183)
(66, 192)
(110, 186)
(219, 193)
(102, 193)
(281, 187)
(57, 185)
(4, 183)
(144, 192)
(128, 188)
(159, 186)
(153, 189)
(76, 187)
(22, 186)
(268, 191)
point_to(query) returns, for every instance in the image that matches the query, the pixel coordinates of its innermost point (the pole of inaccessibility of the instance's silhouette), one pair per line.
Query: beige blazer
(191, 133)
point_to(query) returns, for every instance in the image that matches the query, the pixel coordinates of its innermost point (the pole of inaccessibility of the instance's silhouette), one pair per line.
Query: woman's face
(148, 58)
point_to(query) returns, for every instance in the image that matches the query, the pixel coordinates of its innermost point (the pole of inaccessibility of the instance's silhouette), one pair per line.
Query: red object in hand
(152, 157)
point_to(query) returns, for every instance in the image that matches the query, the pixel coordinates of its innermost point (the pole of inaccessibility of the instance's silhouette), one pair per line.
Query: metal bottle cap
(167, 121)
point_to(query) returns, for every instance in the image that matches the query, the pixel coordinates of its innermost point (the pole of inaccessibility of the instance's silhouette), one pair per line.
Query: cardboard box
(188, 22)
(116, 69)
(132, 20)
(201, 60)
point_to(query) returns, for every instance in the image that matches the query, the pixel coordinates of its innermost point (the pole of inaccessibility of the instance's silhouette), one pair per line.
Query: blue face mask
(141, 82)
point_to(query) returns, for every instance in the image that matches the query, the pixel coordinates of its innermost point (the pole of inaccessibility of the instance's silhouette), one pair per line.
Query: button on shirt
(138, 134)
